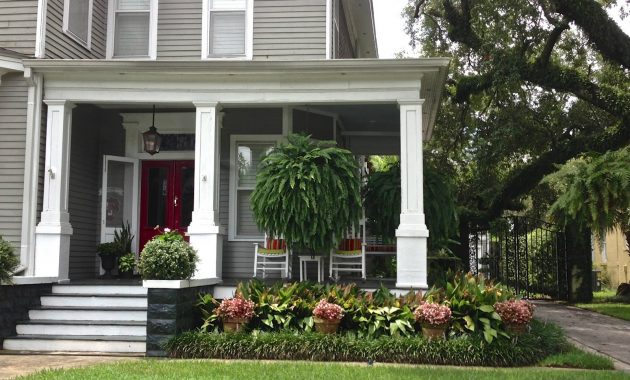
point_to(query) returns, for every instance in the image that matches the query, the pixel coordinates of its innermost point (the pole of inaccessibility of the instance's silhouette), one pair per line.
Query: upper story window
(227, 29)
(77, 20)
(132, 29)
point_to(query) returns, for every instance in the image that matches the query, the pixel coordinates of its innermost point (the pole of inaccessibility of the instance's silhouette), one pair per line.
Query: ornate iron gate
(526, 254)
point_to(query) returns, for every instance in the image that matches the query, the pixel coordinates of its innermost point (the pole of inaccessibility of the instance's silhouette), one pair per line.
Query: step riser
(69, 330)
(68, 301)
(73, 345)
(99, 290)
(88, 315)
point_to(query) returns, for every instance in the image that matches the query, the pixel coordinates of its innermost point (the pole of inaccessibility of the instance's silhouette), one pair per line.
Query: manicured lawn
(206, 369)
(575, 358)
(618, 310)
(601, 304)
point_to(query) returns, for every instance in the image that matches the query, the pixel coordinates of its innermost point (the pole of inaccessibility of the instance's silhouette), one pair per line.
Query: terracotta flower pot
(515, 328)
(433, 332)
(326, 326)
(234, 324)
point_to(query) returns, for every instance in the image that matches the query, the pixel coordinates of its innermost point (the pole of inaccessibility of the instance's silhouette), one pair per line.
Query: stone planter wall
(170, 312)
(15, 301)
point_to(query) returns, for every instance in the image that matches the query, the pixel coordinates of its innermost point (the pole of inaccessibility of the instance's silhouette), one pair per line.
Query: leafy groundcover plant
(8, 261)
(469, 350)
(168, 257)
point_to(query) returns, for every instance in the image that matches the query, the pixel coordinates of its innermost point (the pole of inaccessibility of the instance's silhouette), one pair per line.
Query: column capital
(207, 104)
(410, 102)
(58, 102)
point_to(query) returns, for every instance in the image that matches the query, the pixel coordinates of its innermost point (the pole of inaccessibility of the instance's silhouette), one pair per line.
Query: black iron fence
(526, 254)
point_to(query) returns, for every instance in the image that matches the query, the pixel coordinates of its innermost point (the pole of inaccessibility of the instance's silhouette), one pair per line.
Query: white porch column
(52, 234)
(204, 230)
(412, 234)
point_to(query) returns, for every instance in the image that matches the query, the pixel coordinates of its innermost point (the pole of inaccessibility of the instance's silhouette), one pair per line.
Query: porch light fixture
(151, 138)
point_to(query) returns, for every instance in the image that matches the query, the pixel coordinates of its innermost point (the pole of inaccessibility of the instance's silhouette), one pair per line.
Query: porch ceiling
(339, 86)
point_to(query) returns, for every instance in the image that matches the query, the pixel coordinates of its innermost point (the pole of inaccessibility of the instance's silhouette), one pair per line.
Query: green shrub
(107, 249)
(527, 349)
(8, 261)
(167, 257)
(308, 192)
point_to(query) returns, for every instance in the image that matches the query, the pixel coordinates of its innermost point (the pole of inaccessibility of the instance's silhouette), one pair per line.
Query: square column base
(411, 257)
(52, 251)
(208, 242)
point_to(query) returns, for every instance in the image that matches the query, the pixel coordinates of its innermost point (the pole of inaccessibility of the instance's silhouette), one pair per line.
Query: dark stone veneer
(170, 312)
(15, 302)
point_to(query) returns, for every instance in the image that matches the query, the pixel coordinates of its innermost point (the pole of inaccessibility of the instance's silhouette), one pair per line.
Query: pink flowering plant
(235, 308)
(518, 312)
(328, 311)
(433, 314)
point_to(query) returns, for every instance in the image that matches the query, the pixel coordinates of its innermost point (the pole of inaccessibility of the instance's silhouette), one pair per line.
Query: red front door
(167, 196)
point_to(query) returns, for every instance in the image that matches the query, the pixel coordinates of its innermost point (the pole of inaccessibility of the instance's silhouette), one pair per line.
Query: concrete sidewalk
(595, 332)
(13, 365)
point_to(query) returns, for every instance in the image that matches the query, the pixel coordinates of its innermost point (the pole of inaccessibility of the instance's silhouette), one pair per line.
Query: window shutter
(227, 33)
(132, 34)
(78, 18)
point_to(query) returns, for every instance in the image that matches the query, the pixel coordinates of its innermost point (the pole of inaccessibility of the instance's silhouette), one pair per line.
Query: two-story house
(220, 80)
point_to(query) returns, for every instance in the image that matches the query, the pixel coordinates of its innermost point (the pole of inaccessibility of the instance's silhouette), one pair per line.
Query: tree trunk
(579, 264)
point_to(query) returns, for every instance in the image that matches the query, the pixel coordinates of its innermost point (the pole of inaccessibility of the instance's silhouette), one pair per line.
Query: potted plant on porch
(126, 265)
(108, 252)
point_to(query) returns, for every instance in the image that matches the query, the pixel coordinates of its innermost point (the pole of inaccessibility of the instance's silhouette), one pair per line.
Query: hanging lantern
(151, 138)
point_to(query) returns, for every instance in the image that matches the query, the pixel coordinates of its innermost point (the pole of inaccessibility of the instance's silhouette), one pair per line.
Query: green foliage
(595, 192)
(108, 249)
(528, 349)
(123, 239)
(572, 357)
(471, 299)
(308, 192)
(382, 204)
(168, 257)
(126, 263)
(8, 261)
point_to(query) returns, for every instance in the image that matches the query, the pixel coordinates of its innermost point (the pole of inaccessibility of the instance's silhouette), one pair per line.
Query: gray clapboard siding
(88, 146)
(289, 29)
(179, 29)
(18, 24)
(238, 256)
(343, 41)
(60, 45)
(13, 104)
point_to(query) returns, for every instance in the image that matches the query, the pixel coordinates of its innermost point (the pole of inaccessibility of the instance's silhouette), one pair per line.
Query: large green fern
(594, 192)
(382, 204)
(308, 192)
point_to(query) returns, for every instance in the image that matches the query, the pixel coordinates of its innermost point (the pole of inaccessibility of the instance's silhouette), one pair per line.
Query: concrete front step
(85, 300)
(86, 343)
(73, 328)
(59, 313)
(95, 290)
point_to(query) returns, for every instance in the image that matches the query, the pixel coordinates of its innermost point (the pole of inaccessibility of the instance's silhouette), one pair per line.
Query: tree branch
(552, 40)
(600, 29)
(460, 29)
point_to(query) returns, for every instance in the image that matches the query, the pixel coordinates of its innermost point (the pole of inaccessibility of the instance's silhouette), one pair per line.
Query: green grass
(207, 369)
(617, 310)
(575, 358)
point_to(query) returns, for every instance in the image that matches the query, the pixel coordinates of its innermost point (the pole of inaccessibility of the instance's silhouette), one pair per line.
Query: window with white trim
(246, 156)
(132, 28)
(227, 28)
(77, 21)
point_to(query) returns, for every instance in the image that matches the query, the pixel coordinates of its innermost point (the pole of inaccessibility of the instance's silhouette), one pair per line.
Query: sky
(391, 37)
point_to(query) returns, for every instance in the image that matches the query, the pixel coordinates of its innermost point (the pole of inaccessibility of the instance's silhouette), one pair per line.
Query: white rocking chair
(274, 256)
(348, 257)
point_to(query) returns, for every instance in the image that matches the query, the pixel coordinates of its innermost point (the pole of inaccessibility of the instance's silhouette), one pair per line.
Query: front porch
(97, 176)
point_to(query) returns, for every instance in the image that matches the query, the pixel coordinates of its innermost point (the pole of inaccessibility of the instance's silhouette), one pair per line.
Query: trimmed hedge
(542, 341)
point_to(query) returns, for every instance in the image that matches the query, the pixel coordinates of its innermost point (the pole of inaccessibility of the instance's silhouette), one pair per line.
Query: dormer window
(227, 29)
(132, 29)
(77, 21)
